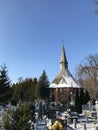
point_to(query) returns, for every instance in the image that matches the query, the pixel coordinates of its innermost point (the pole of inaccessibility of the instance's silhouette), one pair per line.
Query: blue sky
(32, 31)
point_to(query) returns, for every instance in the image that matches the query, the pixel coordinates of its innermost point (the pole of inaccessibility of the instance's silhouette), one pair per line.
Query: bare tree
(87, 75)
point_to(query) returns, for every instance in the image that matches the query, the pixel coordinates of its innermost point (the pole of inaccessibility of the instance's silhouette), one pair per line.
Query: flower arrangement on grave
(57, 126)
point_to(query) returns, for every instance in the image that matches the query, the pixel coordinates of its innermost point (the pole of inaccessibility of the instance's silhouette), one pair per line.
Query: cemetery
(87, 120)
(66, 120)
(66, 108)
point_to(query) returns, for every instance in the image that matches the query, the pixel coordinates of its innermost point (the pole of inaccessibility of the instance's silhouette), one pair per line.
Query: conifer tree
(87, 97)
(19, 119)
(78, 105)
(82, 96)
(24, 90)
(43, 86)
(4, 84)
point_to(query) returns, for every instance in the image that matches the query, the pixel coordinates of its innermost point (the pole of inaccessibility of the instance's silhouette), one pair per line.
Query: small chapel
(64, 84)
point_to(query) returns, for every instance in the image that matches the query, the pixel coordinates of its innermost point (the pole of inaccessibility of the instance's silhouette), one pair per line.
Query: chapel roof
(64, 77)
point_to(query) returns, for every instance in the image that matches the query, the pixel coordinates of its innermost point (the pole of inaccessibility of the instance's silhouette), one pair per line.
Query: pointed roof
(63, 61)
(63, 58)
(64, 77)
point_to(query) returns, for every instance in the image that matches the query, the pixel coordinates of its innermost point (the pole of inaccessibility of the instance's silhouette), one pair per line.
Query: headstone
(68, 120)
(90, 106)
(74, 123)
(97, 109)
(84, 126)
(86, 118)
(96, 128)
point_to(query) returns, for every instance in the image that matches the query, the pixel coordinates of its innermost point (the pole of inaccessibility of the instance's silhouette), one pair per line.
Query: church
(63, 85)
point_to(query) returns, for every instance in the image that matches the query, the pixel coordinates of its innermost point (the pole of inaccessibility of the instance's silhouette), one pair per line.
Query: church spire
(63, 60)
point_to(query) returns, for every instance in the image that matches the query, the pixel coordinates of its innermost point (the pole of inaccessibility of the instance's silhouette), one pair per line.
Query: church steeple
(63, 60)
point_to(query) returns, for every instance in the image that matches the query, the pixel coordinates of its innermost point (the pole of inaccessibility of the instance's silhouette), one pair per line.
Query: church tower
(63, 61)
(64, 84)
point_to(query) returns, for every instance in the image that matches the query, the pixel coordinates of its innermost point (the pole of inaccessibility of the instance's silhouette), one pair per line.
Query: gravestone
(97, 109)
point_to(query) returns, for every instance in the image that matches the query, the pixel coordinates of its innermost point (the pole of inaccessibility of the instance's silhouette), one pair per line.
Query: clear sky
(32, 31)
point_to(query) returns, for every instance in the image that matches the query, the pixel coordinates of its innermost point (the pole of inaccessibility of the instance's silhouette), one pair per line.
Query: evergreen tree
(5, 92)
(82, 96)
(87, 97)
(24, 90)
(19, 119)
(6, 122)
(78, 105)
(43, 86)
